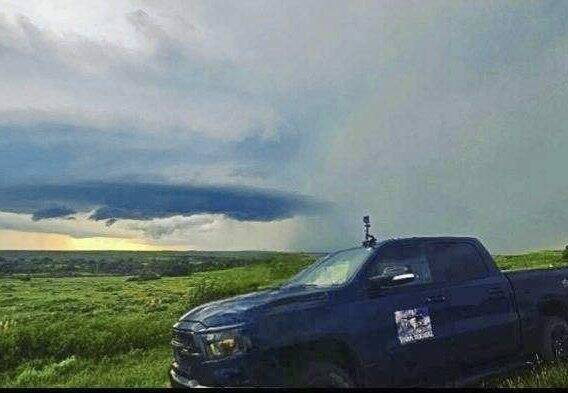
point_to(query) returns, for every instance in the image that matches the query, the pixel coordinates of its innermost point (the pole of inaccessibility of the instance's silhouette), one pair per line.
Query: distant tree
(6, 267)
(176, 268)
(70, 266)
(565, 254)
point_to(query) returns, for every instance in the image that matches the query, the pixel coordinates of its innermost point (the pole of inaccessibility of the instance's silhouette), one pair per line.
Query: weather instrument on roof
(370, 240)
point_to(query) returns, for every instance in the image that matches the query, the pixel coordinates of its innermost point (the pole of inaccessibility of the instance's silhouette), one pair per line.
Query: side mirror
(390, 281)
(402, 278)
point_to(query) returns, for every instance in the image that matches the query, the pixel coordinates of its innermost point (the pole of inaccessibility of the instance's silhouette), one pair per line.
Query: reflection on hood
(241, 308)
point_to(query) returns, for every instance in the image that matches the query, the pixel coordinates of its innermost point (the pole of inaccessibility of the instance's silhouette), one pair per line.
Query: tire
(554, 340)
(325, 375)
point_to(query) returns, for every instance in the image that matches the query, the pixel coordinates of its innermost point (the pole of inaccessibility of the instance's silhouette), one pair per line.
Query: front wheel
(326, 375)
(554, 343)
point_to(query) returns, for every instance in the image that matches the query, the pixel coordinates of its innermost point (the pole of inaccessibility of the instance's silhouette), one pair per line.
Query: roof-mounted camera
(370, 240)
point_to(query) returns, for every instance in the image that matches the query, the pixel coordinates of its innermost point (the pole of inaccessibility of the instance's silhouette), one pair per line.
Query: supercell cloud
(115, 201)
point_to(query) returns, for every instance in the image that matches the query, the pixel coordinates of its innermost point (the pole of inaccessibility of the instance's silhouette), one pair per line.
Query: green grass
(137, 368)
(544, 376)
(107, 331)
(534, 260)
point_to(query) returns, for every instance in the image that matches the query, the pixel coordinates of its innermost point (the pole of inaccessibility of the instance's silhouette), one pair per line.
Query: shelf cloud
(144, 201)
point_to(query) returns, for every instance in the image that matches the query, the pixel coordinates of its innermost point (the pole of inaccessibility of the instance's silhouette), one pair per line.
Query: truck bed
(534, 289)
(541, 281)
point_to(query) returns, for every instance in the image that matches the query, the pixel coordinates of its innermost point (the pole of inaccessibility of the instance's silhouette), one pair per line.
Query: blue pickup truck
(401, 312)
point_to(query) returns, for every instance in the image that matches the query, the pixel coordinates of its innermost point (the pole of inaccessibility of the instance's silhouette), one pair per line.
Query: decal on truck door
(413, 325)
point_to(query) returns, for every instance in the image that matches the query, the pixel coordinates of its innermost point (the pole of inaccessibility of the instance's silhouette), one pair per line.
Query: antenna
(370, 240)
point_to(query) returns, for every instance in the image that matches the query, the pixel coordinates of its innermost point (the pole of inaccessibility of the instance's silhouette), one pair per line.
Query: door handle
(436, 299)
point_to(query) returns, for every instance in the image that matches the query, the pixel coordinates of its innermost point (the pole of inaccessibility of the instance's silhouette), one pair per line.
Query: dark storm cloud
(52, 212)
(140, 201)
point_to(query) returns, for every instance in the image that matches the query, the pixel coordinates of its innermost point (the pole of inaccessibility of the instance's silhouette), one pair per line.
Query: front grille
(184, 339)
(185, 349)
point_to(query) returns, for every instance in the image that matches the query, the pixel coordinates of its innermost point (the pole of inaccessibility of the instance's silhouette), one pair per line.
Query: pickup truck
(425, 311)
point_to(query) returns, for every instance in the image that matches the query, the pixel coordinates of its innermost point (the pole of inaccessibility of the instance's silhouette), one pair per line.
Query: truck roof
(429, 238)
(445, 238)
(417, 239)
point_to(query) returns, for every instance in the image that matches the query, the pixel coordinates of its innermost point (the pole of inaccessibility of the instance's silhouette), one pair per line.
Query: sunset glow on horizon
(16, 240)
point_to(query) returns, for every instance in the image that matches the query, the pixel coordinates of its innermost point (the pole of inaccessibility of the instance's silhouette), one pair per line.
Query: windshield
(334, 269)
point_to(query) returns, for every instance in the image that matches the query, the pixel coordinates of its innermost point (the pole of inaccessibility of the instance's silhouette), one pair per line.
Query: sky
(276, 125)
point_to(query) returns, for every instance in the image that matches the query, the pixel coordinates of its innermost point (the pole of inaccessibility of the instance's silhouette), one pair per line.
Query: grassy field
(107, 331)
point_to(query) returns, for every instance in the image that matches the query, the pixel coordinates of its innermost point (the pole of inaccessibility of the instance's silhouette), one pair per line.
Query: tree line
(118, 264)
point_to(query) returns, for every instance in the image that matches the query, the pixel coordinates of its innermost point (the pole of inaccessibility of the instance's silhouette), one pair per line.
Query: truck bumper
(179, 381)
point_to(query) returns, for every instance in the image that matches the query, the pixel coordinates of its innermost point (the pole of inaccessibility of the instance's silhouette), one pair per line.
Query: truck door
(416, 315)
(480, 305)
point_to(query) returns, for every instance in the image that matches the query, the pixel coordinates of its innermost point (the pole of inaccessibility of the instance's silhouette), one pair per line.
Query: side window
(397, 259)
(455, 262)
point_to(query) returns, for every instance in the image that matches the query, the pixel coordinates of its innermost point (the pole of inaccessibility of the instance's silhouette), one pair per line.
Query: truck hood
(240, 309)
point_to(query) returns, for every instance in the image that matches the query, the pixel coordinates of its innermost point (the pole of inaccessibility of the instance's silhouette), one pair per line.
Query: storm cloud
(139, 201)
(52, 212)
(436, 118)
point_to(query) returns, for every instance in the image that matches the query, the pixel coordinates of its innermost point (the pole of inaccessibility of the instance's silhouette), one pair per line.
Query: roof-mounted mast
(370, 240)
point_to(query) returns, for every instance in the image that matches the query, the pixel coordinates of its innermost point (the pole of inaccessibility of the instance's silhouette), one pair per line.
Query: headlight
(224, 344)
